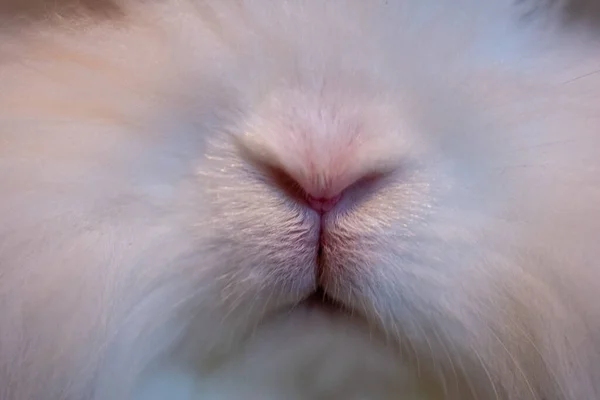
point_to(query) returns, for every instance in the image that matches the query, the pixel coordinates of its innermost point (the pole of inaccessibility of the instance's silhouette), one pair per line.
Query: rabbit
(248, 199)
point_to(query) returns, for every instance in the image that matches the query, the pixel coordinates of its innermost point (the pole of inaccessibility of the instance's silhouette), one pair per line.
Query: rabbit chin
(310, 352)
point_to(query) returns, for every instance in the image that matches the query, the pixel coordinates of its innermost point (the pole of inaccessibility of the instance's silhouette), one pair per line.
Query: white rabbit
(298, 199)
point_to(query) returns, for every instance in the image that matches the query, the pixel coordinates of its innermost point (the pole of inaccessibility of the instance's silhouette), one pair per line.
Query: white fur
(144, 256)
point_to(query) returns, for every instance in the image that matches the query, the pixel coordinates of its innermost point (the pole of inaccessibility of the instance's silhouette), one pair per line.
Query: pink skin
(323, 204)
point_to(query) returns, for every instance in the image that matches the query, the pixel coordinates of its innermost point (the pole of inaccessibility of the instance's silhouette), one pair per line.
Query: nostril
(320, 200)
(288, 185)
(323, 204)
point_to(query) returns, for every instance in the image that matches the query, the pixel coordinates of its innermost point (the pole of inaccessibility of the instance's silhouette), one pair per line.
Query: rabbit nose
(323, 204)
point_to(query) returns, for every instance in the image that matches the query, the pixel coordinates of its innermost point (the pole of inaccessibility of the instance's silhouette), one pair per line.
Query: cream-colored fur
(145, 254)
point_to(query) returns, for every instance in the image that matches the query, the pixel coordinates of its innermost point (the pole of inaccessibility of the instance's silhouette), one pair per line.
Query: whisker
(581, 77)
(487, 372)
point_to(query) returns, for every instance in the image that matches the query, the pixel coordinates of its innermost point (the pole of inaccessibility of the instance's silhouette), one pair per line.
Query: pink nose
(323, 204)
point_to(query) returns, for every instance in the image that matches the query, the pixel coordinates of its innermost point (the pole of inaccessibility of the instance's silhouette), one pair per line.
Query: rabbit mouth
(320, 300)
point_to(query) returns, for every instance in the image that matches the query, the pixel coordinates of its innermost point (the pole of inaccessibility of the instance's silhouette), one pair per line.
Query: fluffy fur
(147, 251)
